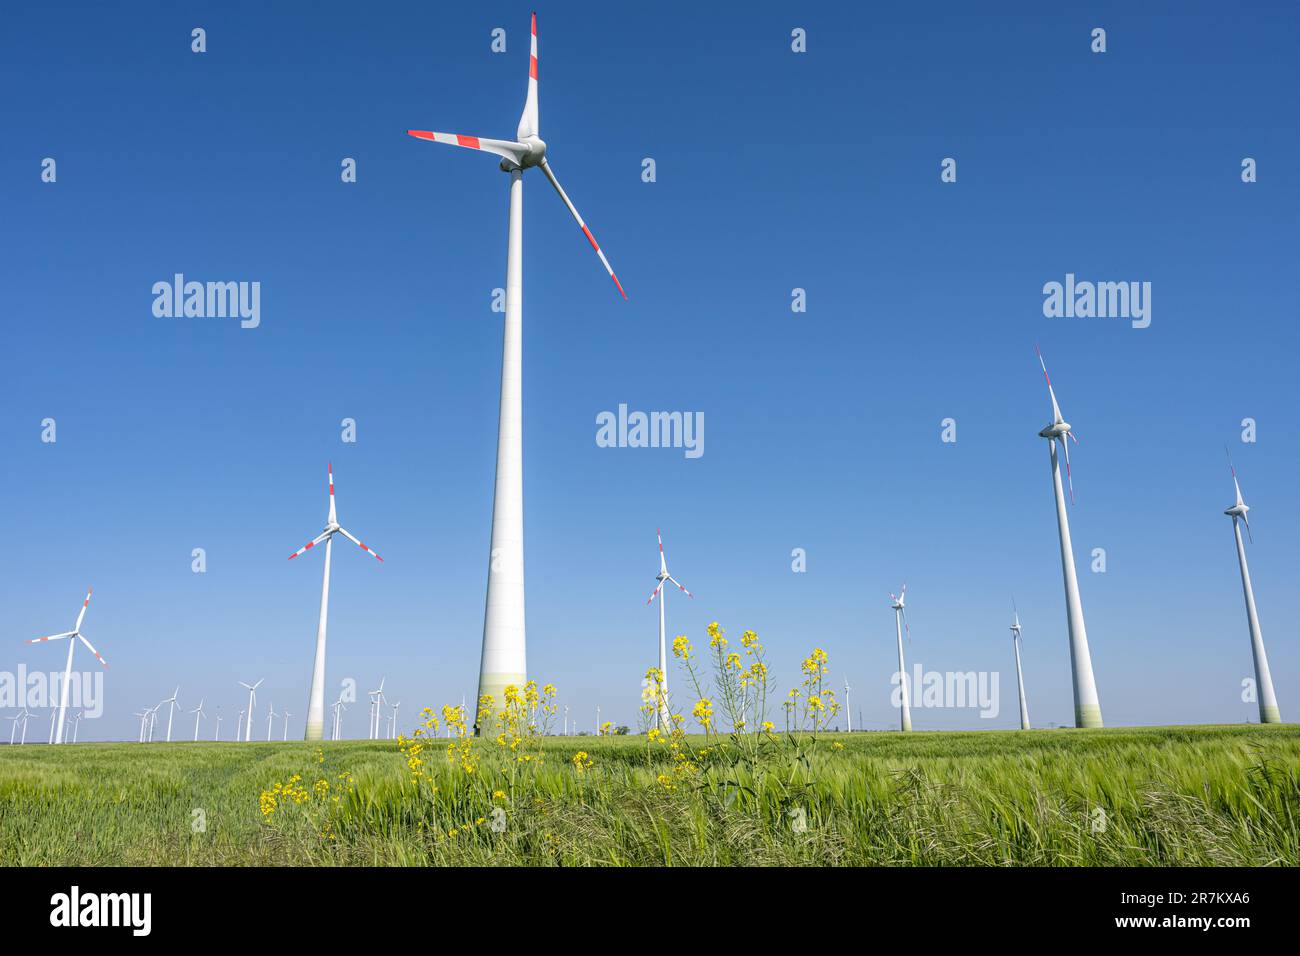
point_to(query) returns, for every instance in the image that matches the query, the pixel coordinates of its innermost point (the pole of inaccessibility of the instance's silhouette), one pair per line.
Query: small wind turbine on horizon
(13, 727)
(1269, 713)
(252, 702)
(198, 715)
(71, 637)
(377, 700)
(316, 699)
(848, 711)
(1020, 679)
(1087, 706)
(898, 602)
(504, 655)
(664, 721)
(216, 734)
(171, 711)
(286, 715)
(338, 707)
(392, 721)
(239, 727)
(26, 716)
(76, 723)
(270, 718)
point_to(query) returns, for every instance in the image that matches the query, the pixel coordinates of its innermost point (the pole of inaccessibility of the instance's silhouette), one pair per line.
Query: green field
(1161, 796)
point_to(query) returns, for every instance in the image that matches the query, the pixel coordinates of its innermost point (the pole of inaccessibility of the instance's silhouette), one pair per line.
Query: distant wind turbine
(1087, 706)
(198, 715)
(13, 726)
(663, 718)
(216, 734)
(71, 637)
(376, 701)
(270, 716)
(316, 699)
(338, 707)
(252, 701)
(900, 621)
(1268, 709)
(171, 710)
(1020, 678)
(848, 711)
(286, 715)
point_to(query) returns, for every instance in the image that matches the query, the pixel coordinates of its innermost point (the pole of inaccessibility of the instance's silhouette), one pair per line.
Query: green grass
(1190, 796)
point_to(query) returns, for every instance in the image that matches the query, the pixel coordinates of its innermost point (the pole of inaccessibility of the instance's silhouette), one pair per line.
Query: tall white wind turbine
(897, 602)
(286, 715)
(660, 592)
(1268, 709)
(198, 715)
(504, 657)
(252, 700)
(1087, 706)
(71, 637)
(1020, 677)
(316, 699)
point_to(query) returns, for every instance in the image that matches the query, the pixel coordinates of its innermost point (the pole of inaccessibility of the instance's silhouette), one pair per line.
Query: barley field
(1185, 796)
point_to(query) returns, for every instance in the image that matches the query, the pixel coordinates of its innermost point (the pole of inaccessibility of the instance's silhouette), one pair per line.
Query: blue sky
(775, 170)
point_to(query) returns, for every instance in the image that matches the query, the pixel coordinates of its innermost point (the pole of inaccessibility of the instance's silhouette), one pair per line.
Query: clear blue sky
(775, 171)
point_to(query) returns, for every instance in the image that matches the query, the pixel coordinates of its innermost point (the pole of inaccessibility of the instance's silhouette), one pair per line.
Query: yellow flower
(582, 761)
(682, 647)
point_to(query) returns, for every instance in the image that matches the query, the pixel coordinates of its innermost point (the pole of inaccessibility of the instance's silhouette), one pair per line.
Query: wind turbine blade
(515, 152)
(680, 588)
(312, 543)
(655, 593)
(84, 604)
(330, 466)
(1246, 521)
(546, 168)
(369, 551)
(663, 563)
(52, 637)
(1056, 409)
(528, 125)
(1069, 477)
(91, 648)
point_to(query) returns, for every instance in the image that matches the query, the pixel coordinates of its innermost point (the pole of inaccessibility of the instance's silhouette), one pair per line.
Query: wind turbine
(252, 700)
(13, 726)
(143, 715)
(848, 712)
(198, 715)
(1020, 677)
(1087, 707)
(338, 707)
(392, 720)
(170, 710)
(239, 726)
(71, 637)
(270, 716)
(26, 715)
(316, 699)
(900, 621)
(76, 724)
(376, 699)
(216, 734)
(53, 713)
(286, 715)
(659, 592)
(504, 657)
(1268, 709)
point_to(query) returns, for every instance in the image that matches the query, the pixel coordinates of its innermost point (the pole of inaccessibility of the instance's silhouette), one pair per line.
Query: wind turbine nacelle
(1055, 430)
(1237, 511)
(536, 147)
